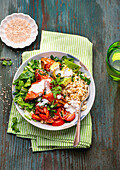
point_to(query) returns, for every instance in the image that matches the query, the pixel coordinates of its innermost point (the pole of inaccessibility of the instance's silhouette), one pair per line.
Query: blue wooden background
(99, 20)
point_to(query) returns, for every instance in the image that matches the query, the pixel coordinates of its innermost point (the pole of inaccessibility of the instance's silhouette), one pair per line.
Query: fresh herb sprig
(51, 107)
(14, 125)
(7, 63)
(79, 73)
(57, 88)
(85, 79)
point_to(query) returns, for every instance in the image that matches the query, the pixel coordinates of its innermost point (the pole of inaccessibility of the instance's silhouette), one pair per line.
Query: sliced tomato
(56, 117)
(40, 109)
(35, 117)
(37, 111)
(49, 120)
(61, 113)
(49, 97)
(43, 117)
(45, 114)
(46, 111)
(58, 122)
(69, 117)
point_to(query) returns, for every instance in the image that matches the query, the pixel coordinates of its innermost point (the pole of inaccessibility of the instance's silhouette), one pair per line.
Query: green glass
(113, 61)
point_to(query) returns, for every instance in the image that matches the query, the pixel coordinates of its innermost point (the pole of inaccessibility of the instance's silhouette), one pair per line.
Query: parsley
(61, 114)
(4, 63)
(57, 81)
(51, 107)
(72, 78)
(64, 96)
(61, 67)
(14, 125)
(56, 90)
(10, 63)
(85, 79)
(52, 58)
(56, 59)
(77, 79)
(7, 63)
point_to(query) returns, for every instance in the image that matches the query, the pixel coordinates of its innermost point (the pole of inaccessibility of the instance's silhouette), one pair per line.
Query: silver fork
(77, 132)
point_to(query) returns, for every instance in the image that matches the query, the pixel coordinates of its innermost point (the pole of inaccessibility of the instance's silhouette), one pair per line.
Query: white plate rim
(43, 126)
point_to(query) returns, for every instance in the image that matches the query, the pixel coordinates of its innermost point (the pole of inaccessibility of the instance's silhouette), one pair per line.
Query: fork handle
(77, 134)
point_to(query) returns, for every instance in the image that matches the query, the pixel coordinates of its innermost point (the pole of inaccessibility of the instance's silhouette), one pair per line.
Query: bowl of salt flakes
(18, 30)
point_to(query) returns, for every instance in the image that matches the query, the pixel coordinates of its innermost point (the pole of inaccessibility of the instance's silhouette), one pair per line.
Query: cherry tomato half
(35, 117)
(56, 117)
(43, 117)
(70, 117)
(46, 111)
(40, 109)
(49, 120)
(61, 113)
(58, 122)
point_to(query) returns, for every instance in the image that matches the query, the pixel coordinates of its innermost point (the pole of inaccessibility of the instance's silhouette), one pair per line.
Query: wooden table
(98, 20)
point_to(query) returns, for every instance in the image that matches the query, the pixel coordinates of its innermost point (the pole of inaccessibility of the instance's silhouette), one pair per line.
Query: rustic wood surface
(99, 20)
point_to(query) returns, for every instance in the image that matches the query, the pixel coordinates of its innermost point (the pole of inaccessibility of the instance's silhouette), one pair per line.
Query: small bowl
(33, 25)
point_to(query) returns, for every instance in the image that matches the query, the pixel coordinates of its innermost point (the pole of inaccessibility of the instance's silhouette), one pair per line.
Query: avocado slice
(72, 65)
(66, 81)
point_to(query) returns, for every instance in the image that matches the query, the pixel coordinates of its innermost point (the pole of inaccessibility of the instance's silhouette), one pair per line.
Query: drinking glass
(113, 61)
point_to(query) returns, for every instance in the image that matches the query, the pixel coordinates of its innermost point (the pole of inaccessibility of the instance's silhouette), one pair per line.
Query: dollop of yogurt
(38, 87)
(72, 106)
(69, 108)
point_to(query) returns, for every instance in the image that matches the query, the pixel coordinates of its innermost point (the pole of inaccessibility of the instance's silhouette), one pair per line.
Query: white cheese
(67, 72)
(54, 67)
(44, 101)
(57, 71)
(59, 96)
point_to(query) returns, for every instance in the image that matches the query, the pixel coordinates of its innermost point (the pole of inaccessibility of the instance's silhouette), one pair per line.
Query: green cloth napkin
(43, 140)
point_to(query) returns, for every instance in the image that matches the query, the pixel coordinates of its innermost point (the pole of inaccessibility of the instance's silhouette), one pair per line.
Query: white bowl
(34, 30)
(90, 100)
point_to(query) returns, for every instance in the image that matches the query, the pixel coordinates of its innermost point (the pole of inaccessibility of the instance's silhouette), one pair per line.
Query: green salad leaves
(23, 82)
